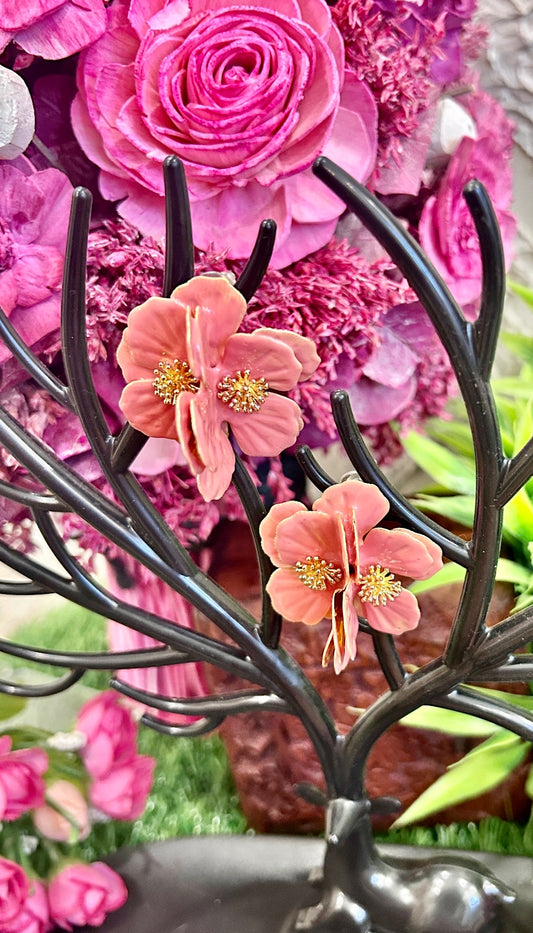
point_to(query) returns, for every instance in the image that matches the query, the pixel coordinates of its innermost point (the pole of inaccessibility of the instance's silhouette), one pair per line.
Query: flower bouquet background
(247, 102)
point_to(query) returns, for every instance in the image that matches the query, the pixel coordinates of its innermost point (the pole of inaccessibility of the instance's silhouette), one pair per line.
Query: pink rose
(51, 28)
(14, 888)
(122, 793)
(110, 731)
(34, 913)
(247, 95)
(85, 894)
(446, 229)
(21, 782)
(34, 211)
(53, 824)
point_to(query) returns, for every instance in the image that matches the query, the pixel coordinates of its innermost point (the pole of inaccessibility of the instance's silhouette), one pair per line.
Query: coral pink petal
(369, 504)
(146, 412)
(185, 432)
(351, 618)
(269, 526)
(264, 357)
(265, 433)
(303, 349)
(295, 601)
(214, 447)
(214, 312)
(156, 331)
(399, 615)
(309, 534)
(400, 551)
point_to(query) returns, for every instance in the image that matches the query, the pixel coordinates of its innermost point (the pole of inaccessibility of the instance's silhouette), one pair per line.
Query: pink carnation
(110, 731)
(85, 894)
(34, 212)
(51, 28)
(446, 229)
(247, 96)
(121, 794)
(21, 781)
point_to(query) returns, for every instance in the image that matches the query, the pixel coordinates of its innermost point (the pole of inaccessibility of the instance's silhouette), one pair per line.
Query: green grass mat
(193, 789)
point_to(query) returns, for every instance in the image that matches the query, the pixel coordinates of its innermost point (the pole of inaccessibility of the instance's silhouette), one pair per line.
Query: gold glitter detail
(241, 392)
(172, 379)
(378, 586)
(317, 573)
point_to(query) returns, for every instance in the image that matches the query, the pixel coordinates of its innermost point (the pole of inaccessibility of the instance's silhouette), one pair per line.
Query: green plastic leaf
(520, 345)
(451, 471)
(456, 508)
(479, 771)
(507, 571)
(523, 291)
(528, 786)
(10, 705)
(449, 722)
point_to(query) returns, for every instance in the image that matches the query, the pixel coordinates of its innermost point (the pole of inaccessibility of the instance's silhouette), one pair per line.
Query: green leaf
(507, 571)
(456, 508)
(479, 771)
(10, 705)
(449, 722)
(523, 291)
(520, 345)
(453, 472)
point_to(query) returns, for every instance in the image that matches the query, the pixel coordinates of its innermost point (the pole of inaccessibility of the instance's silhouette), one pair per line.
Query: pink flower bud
(34, 913)
(122, 793)
(110, 731)
(14, 888)
(53, 824)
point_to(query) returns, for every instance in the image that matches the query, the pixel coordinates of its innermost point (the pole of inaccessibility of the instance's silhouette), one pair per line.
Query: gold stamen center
(316, 573)
(241, 392)
(378, 586)
(172, 378)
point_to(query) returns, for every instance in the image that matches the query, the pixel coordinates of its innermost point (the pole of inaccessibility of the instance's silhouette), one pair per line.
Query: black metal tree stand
(255, 884)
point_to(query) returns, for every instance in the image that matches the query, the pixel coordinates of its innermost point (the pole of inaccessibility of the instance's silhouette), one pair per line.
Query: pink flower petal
(303, 239)
(65, 31)
(264, 356)
(155, 332)
(215, 311)
(146, 412)
(269, 526)
(303, 348)
(365, 499)
(351, 618)
(400, 551)
(401, 614)
(310, 534)
(213, 445)
(265, 433)
(295, 601)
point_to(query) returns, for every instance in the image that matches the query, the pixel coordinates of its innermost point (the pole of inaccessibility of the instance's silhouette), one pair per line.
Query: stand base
(229, 884)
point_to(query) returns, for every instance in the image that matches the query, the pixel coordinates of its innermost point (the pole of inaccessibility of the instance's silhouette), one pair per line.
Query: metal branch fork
(359, 890)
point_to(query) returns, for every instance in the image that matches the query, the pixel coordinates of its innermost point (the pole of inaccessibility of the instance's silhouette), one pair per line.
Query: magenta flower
(21, 779)
(34, 212)
(446, 229)
(110, 732)
(247, 96)
(85, 894)
(122, 792)
(14, 889)
(334, 563)
(51, 28)
(191, 376)
(33, 915)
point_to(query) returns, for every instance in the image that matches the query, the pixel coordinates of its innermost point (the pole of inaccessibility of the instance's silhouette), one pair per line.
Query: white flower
(17, 116)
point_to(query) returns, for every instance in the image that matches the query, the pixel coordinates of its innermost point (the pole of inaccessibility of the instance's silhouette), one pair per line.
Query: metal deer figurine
(358, 890)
